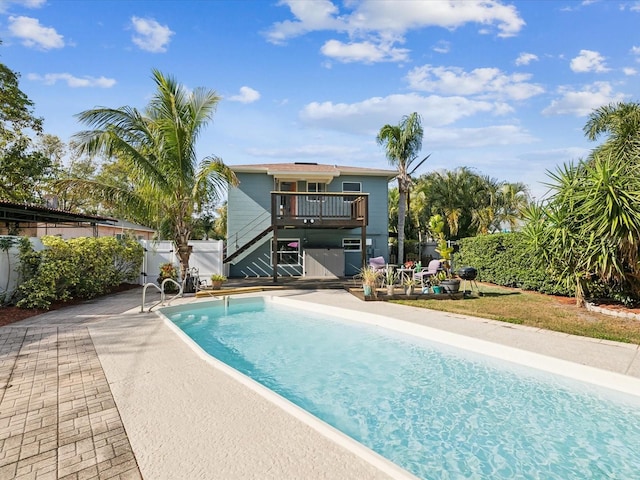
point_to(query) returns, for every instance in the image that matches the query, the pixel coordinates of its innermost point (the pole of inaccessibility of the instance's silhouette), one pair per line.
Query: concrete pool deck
(100, 390)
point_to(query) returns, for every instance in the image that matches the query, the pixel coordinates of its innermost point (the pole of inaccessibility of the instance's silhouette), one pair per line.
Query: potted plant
(435, 282)
(168, 270)
(449, 284)
(409, 285)
(217, 280)
(369, 277)
(390, 278)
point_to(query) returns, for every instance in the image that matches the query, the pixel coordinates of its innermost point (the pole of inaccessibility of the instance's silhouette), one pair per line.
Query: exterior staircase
(248, 244)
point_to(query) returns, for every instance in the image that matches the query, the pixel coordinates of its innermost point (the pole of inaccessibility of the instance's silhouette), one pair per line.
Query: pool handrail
(162, 293)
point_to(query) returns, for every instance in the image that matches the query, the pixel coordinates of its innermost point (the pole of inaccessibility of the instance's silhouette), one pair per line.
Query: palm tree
(454, 194)
(402, 143)
(513, 199)
(590, 226)
(167, 183)
(621, 121)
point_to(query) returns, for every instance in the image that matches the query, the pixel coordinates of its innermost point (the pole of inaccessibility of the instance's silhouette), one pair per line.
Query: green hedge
(75, 269)
(504, 259)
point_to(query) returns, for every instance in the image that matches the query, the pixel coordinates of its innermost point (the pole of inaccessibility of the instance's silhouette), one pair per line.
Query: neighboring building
(113, 228)
(306, 219)
(36, 221)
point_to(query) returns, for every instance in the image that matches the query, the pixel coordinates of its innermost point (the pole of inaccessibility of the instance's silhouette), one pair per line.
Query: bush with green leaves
(506, 259)
(78, 268)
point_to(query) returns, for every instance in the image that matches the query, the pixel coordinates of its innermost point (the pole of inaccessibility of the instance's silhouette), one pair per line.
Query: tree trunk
(402, 210)
(183, 250)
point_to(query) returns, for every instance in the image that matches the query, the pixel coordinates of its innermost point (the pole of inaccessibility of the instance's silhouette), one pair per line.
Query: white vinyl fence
(206, 257)
(9, 263)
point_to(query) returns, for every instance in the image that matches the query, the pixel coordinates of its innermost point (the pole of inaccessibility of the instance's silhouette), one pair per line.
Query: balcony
(319, 210)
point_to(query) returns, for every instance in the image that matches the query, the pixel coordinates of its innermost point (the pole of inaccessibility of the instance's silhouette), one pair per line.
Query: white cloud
(33, 34)
(629, 71)
(560, 155)
(366, 52)
(367, 116)
(377, 15)
(478, 137)
(306, 151)
(442, 47)
(526, 58)
(246, 95)
(635, 51)
(5, 4)
(150, 35)
(491, 82)
(588, 61)
(374, 26)
(310, 16)
(72, 81)
(583, 102)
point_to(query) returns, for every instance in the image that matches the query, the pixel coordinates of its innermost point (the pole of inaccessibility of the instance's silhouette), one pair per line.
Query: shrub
(77, 268)
(505, 259)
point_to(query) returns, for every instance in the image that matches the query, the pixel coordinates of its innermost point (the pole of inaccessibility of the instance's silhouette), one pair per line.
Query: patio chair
(378, 264)
(432, 270)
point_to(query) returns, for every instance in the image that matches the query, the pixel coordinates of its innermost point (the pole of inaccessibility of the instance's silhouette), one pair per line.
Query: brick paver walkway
(58, 419)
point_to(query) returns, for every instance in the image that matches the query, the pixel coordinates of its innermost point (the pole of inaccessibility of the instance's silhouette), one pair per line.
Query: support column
(363, 242)
(274, 254)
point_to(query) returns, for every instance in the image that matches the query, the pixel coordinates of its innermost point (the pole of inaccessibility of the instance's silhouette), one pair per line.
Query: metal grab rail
(162, 293)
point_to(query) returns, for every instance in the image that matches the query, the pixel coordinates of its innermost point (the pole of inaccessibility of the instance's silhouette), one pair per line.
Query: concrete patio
(102, 391)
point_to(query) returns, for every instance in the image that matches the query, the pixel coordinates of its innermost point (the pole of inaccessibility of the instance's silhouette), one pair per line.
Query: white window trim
(318, 191)
(359, 242)
(289, 240)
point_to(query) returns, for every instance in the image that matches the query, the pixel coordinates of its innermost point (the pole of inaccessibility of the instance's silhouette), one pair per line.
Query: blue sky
(502, 87)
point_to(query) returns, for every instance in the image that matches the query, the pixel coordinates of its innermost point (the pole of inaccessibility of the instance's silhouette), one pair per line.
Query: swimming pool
(435, 410)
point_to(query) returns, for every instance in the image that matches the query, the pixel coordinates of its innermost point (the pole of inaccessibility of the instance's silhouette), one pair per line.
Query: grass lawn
(537, 310)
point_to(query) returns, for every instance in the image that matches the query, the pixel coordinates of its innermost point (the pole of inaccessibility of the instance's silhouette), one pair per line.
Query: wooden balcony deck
(319, 210)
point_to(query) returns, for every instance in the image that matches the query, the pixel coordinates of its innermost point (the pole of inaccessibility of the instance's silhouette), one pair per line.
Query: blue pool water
(437, 411)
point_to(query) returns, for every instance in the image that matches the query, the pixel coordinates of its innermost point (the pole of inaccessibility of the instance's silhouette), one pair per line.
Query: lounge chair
(425, 274)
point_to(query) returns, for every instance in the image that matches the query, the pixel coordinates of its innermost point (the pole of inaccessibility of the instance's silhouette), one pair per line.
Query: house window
(351, 187)
(315, 187)
(351, 244)
(288, 251)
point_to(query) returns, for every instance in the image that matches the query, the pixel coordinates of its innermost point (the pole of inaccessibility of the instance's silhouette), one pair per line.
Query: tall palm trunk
(402, 213)
(402, 143)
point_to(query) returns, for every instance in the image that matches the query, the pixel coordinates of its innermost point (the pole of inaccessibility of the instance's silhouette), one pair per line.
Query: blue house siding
(249, 209)
(249, 214)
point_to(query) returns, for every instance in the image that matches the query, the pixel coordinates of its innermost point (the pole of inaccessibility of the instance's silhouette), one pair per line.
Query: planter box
(383, 297)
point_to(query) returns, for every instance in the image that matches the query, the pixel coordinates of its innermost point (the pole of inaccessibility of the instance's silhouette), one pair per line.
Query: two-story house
(306, 219)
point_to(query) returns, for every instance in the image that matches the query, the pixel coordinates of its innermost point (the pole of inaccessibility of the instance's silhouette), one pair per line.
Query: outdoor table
(404, 273)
